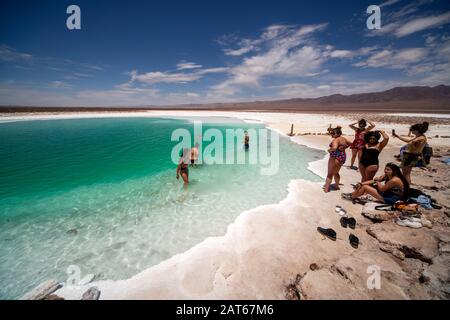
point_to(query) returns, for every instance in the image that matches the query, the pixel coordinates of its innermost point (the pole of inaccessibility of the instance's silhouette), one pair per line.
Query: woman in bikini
(414, 148)
(395, 187)
(337, 158)
(358, 144)
(369, 163)
(183, 167)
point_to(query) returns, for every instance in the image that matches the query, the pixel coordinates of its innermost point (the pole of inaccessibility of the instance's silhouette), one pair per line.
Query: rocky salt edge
(275, 252)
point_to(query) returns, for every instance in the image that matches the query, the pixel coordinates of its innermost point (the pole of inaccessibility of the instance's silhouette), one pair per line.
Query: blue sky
(131, 53)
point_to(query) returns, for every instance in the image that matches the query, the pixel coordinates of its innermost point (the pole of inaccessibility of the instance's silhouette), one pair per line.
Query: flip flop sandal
(354, 241)
(351, 223)
(359, 201)
(329, 233)
(344, 222)
(347, 196)
(340, 211)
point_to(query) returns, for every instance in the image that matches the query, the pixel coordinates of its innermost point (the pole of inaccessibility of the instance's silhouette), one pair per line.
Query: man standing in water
(246, 141)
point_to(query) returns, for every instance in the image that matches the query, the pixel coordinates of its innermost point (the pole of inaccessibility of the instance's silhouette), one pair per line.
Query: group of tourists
(394, 184)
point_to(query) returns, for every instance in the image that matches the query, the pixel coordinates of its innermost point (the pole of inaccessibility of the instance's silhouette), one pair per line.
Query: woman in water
(194, 155)
(369, 163)
(414, 148)
(183, 167)
(337, 158)
(358, 144)
(395, 187)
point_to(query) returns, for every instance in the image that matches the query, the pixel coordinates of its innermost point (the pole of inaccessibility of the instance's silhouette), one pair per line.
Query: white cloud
(187, 66)
(246, 46)
(421, 24)
(407, 20)
(341, 54)
(152, 78)
(59, 85)
(389, 3)
(287, 53)
(394, 59)
(163, 77)
(9, 54)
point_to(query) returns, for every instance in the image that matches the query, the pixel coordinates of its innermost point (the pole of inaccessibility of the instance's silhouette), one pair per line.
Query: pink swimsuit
(359, 142)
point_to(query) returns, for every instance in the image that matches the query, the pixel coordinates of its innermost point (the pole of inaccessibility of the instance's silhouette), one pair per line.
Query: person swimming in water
(337, 158)
(246, 141)
(183, 166)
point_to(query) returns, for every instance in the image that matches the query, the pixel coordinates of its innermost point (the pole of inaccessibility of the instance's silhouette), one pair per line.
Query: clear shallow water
(101, 194)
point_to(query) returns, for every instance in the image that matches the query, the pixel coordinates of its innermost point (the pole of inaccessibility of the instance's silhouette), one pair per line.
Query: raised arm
(402, 139)
(371, 126)
(352, 126)
(385, 140)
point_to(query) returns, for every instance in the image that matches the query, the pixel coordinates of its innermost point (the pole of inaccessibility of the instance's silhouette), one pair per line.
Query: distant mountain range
(399, 99)
(439, 93)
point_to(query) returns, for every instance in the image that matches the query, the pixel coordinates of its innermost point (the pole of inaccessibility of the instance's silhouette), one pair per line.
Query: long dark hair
(420, 127)
(398, 173)
(336, 131)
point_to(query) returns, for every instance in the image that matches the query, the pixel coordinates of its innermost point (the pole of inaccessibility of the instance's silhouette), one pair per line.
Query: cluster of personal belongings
(410, 213)
(415, 200)
(410, 209)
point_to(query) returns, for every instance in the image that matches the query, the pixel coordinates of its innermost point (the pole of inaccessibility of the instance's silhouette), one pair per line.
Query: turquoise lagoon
(101, 194)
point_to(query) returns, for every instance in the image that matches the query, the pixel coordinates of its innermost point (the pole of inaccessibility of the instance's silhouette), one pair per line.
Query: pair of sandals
(345, 222)
(331, 234)
(348, 222)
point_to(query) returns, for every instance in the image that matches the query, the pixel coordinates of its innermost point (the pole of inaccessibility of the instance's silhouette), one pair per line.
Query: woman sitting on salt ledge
(395, 186)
